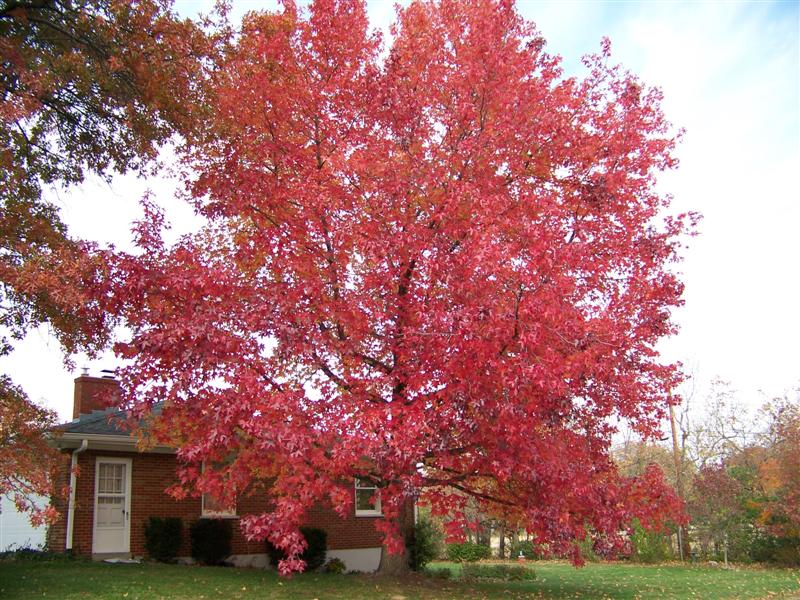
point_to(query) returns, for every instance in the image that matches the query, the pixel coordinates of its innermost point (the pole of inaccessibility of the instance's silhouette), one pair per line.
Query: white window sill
(369, 513)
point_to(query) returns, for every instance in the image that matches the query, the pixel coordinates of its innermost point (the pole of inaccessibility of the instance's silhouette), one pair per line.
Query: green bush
(587, 549)
(784, 551)
(467, 552)
(211, 540)
(648, 546)
(27, 553)
(314, 554)
(162, 538)
(424, 544)
(528, 549)
(334, 566)
(498, 571)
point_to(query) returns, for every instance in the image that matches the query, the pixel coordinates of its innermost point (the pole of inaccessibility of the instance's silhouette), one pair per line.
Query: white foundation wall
(363, 560)
(256, 561)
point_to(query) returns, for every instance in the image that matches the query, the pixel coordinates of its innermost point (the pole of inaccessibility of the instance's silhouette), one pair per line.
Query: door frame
(127, 510)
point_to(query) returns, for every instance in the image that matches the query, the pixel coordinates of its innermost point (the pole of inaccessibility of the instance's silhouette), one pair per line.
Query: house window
(212, 508)
(368, 499)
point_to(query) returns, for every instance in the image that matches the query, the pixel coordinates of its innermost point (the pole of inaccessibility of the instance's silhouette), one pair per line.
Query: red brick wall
(154, 473)
(57, 532)
(352, 532)
(93, 393)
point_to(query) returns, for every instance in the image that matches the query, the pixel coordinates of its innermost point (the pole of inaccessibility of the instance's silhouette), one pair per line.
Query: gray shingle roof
(98, 422)
(102, 422)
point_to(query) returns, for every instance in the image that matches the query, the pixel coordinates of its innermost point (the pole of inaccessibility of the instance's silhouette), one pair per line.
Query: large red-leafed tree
(443, 268)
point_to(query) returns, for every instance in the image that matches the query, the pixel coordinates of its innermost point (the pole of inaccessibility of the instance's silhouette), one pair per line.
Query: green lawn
(66, 580)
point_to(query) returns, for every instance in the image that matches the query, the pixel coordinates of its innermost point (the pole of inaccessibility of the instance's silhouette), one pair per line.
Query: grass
(627, 581)
(75, 580)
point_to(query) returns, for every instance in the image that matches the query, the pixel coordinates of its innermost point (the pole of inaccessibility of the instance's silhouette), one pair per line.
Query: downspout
(73, 481)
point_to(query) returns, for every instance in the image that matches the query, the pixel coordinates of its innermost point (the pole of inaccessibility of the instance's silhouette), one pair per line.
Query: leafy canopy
(443, 269)
(26, 460)
(86, 86)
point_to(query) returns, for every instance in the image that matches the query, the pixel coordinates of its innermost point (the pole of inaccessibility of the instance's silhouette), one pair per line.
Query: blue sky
(730, 72)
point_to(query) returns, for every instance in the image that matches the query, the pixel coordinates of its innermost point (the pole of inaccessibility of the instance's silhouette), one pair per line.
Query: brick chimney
(93, 393)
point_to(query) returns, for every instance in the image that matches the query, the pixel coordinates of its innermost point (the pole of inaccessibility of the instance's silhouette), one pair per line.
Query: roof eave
(121, 443)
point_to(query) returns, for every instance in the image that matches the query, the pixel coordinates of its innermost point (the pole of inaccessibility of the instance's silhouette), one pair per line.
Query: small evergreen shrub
(423, 543)
(162, 538)
(498, 571)
(648, 546)
(211, 540)
(467, 552)
(314, 554)
(334, 566)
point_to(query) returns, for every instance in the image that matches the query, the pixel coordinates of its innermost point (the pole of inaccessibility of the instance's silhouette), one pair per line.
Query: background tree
(715, 506)
(779, 474)
(26, 461)
(444, 272)
(721, 426)
(633, 456)
(86, 86)
(746, 463)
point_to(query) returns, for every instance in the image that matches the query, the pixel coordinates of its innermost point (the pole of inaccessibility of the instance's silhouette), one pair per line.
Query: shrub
(211, 540)
(498, 571)
(334, 566)
(648, 546)
(314, 554)
(424, 544)
(162, 538)
(587, 549)
(529, 551)
(467, 552)
(27, 553)
(784, 551)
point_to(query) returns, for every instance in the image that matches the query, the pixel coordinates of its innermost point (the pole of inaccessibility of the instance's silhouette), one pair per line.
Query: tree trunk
(484, 535)
(502, 548)
(393, 564)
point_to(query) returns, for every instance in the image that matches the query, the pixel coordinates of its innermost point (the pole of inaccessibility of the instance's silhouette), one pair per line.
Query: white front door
(112, 505)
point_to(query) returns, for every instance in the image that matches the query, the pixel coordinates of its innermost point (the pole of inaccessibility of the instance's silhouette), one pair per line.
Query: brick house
(119, 488)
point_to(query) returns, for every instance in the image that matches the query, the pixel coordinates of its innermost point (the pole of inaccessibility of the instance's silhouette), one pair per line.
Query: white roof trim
(99, 441)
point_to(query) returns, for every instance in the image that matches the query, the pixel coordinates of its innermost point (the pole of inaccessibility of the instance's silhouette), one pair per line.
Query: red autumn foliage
(27, 462)
(444, 269)
(715, 501)
(780, 472)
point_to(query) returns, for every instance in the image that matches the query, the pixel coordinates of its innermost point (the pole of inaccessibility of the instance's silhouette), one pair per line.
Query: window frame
(376, 510)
